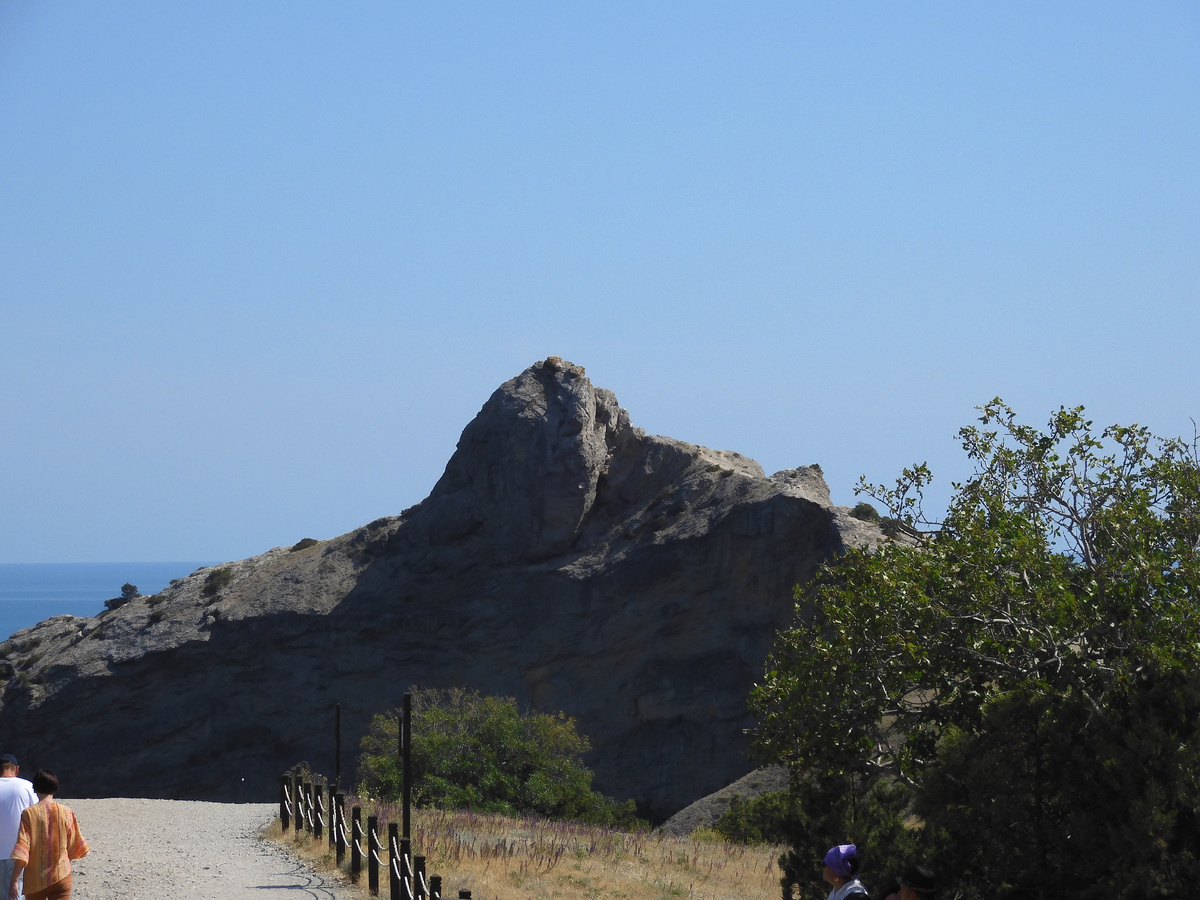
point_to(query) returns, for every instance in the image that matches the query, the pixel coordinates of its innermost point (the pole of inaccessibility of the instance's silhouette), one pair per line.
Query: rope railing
(406, 882)
(302, 808)
(302, 798)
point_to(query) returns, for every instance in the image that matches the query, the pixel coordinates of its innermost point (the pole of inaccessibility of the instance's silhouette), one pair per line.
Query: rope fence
(302, 807)
(309, 804)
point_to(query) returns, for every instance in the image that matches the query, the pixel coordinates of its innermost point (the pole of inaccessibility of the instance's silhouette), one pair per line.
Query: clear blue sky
(260, 263)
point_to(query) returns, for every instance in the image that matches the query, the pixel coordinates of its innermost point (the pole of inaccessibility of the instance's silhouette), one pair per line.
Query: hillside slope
(565, 558)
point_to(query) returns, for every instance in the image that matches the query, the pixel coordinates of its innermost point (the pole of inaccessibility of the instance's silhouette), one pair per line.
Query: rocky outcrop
(705, 812)
(565, 558)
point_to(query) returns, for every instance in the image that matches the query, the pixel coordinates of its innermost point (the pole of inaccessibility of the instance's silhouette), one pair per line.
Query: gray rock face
(705, 812)
(565, 558)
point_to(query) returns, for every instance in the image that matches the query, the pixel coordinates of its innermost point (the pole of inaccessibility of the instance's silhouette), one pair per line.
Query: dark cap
(920, 879)
(8, 760)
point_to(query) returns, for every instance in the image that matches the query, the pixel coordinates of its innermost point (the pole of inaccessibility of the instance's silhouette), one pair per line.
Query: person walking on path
(15, 795)
(48, 839)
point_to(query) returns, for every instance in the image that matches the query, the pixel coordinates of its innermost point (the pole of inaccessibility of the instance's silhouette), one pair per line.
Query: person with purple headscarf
(841, 864)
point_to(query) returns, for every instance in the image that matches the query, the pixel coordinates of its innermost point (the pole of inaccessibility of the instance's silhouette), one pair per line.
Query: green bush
(304, 544)
(216, 580)
(128, 592)
(759, 820)
(817, 813)
(866, 512)
(470, 751)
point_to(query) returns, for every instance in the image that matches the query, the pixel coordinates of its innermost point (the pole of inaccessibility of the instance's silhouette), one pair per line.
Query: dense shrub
(471, 751)
(128, 592)
(216, 580)
(759, 820)
(866, 512)
(817, 813)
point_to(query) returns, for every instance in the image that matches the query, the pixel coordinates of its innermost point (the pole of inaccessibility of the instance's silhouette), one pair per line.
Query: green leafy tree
(817, 813)
(471, 751)
(128, 592)
(1001, 663)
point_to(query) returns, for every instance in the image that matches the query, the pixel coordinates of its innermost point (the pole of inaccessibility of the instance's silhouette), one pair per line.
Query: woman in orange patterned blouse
(47, 841)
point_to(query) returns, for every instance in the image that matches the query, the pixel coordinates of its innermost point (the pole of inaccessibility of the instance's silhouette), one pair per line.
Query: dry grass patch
(501, 858)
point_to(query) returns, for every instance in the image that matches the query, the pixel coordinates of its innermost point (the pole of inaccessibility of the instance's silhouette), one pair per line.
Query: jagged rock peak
(527, 469)
(565, 558)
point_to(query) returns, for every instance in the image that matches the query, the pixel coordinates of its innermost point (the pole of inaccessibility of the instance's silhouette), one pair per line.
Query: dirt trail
(151, 849)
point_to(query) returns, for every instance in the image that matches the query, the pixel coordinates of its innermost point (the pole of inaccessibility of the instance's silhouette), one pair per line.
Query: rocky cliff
(565, 558)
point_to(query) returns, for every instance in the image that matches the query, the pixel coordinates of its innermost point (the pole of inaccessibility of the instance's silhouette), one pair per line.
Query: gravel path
(155, 849)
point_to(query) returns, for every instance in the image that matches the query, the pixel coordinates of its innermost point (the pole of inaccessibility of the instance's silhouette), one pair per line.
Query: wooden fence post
(373, 855)
(319, 815)
(332, 816)
(394, 868)
(406, 868)
(419, 877)
(285, 812)
(308, 806)
(355, 847)
(297, 808)
(435, 887)
(301, 807)
(339, 815)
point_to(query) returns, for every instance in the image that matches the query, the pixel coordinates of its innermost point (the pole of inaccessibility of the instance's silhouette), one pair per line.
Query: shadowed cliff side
(565, 558)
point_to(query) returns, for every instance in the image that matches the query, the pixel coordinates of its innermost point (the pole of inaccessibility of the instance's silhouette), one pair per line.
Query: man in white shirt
(15, 794)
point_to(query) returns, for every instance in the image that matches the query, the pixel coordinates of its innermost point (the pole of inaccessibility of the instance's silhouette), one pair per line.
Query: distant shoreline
(33, 592)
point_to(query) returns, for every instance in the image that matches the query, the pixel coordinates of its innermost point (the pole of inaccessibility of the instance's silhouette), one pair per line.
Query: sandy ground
(154, 849)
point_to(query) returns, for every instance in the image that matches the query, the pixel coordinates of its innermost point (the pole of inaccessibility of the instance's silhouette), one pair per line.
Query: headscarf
(838, 859)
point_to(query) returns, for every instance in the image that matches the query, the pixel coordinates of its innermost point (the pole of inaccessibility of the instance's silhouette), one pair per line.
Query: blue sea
(31, 592)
